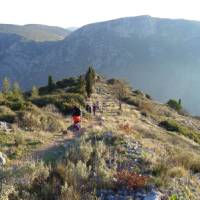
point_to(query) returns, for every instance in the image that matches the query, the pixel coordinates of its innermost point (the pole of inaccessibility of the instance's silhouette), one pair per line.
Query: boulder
(154, 195)
(4, 126)
(3, 158)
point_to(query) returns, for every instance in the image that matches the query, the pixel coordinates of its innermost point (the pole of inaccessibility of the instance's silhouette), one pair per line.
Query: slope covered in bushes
(142, 150)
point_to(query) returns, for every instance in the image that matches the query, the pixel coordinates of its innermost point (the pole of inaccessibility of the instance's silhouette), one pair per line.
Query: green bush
(112, 81)
(16, 105)
(7, 115)
(169, 125)
(67, 82)
(65, 102)
(174, 104)
(138, 92)
(35, 119)
(132, 101)
(172, 125)
(148, 96)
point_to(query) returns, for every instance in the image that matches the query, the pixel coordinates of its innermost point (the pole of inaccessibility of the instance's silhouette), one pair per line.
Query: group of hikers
(76, 113)
(93, 108)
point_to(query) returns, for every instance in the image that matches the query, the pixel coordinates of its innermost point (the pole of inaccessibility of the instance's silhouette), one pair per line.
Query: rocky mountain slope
(159, 56)
(36, 32)
(116, 154)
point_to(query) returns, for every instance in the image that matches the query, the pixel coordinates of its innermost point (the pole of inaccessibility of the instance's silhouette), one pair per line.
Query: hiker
(88, 108)
(76, 116)
(94, 108)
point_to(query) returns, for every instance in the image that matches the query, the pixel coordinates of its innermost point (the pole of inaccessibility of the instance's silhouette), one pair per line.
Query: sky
(75, 13)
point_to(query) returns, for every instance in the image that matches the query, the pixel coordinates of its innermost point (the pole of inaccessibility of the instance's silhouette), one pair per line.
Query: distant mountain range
(159, 56)
(36, 32)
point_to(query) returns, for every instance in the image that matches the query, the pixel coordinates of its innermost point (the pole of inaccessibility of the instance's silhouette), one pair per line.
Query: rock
(4, 126)
(154, 195)
(3, 158)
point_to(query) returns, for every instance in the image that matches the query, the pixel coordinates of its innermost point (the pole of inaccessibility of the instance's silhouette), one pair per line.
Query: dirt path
(53, 150)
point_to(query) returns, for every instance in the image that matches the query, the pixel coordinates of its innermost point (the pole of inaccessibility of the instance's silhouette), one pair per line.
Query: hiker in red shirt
(76, 116)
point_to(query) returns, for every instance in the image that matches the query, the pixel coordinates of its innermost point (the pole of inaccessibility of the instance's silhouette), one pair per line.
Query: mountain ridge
(159, 56)
(36, 32)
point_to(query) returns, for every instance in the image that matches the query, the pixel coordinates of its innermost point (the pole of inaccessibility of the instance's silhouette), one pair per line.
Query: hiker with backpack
(94, 108)
(88, 108)
(76, 116)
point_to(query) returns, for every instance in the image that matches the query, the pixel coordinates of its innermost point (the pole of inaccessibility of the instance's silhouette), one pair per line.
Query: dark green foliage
(138, 92)
(174, 104)
(169, 125)
(67, 82)
(112, 81)
(132, 101)
(13, 99)
(172, 125)
(148, 96)
(51, 84)
(65, 102)
(16, 105)
(6, 114)
(90, 81)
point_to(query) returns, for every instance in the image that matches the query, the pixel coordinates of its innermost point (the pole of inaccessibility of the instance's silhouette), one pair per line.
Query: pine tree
(6, 86)
(90, 81)
(34, 91)
(51, 84)
(16, 91)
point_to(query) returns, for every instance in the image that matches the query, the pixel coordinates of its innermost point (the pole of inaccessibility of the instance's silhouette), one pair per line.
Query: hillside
(159, 56)
(36, 32)
(146, 151)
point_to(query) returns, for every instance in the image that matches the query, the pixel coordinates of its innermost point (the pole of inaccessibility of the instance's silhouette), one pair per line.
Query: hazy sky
(68, 13)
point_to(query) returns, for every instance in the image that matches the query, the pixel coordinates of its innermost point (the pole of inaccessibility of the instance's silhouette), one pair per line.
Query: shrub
(169, 125)
(35, 119)
(6, 191)
(132, 101)
(64, 102)
(130, 179)
(138, 92)
(6, 114)
(174, 104)
(173, 197)
(148, 96)
(146, 107)
(67, 82)
(69, 193)
(82, 151)
(112, 81)
(177, 172)
(16, 105)
(172, 125)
